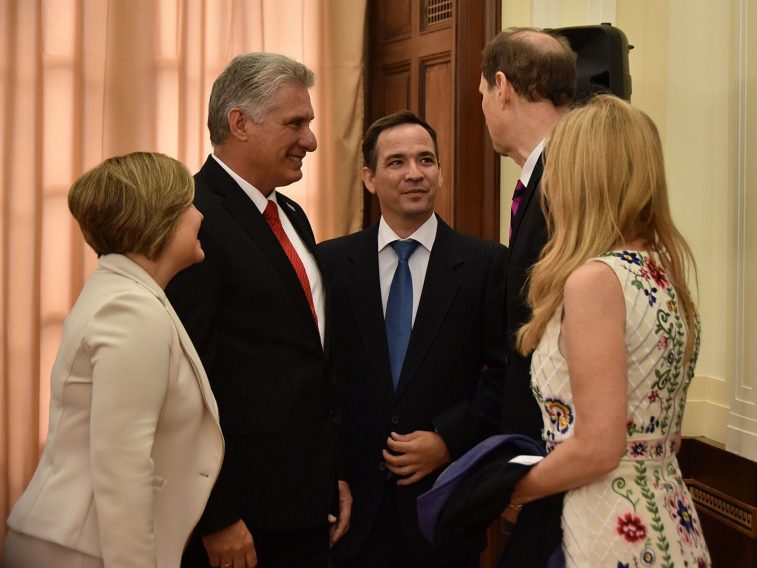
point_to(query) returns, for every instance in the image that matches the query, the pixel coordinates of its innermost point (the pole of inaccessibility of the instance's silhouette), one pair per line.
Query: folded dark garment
(474, 489)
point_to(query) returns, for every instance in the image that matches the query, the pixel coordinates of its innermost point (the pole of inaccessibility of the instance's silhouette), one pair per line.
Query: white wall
(693, 69)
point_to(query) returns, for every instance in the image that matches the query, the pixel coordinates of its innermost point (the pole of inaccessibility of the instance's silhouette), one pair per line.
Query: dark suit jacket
(248, 317)
(521, 412)
(458, 331)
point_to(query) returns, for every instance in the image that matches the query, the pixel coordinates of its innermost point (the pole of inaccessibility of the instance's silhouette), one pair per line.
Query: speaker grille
(437, 11)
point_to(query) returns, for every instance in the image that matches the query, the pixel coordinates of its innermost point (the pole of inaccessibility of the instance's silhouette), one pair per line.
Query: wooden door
(424, 56)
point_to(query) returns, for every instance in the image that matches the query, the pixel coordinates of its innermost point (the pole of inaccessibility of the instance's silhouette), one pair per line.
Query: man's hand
(419, 453)
(340, 524)
(231, 547)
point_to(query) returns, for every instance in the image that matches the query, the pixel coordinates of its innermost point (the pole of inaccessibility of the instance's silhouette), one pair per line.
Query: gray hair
(250, 82)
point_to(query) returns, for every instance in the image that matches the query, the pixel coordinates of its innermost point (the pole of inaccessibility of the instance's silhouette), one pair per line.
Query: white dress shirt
(528, 166)
(418, 262)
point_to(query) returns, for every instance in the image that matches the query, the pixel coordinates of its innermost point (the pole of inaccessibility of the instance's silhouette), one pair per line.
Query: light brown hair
(540, 65)
(131, 203)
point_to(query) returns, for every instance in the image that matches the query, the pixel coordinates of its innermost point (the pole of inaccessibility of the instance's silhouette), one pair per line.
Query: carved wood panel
(424, 55)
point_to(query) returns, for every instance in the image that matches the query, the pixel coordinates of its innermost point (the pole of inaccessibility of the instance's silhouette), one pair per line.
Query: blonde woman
(134, 445)
(614, 335)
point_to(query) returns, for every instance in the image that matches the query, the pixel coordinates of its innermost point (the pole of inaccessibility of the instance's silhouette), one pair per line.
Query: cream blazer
(134, 444)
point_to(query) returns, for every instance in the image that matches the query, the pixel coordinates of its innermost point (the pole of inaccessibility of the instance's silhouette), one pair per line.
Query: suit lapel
(529, 200)
(243, 211)
(364, 292)
(297, 217)
(123, 266)
(439, 288)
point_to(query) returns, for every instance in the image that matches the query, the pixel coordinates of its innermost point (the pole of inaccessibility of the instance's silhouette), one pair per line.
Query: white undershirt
(308, 261)
(418, 261)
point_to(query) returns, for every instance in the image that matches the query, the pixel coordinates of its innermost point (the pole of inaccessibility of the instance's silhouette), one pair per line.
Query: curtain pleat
(83, 80)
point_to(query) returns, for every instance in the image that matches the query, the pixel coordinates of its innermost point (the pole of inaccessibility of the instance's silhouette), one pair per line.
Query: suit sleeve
(470, 421)
(324, 255)
(129, 341)
(195, 295)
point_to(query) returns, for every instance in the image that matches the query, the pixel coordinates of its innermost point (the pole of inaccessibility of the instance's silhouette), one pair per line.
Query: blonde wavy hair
(604, 186)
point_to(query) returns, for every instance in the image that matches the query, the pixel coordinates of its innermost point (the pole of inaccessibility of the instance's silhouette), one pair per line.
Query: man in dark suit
(528, 82)
(255, 312)
(417, 344)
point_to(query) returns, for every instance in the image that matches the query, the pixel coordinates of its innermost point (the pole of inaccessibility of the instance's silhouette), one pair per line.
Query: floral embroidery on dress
(642, 511)
(560, 414)
(655, 272)
(647, 556)
(630, 257)
(649, 276)
(680, 508)
(631, 528)
(645, 449)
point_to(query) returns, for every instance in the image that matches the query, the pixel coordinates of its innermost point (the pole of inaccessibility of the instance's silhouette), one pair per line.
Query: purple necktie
(520, 191)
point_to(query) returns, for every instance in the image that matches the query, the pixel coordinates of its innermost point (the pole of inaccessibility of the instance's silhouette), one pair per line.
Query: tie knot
(519, 189)
(405, 249)
(271, 212)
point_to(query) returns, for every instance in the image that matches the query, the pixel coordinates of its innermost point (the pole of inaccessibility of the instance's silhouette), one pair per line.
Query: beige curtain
(86, 79)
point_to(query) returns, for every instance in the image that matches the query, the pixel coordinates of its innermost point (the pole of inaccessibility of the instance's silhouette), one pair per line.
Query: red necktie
(520, 190)
(271, 215)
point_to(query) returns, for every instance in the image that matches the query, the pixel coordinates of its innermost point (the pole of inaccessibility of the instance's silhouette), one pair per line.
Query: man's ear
(503, 87)
(368, 179)
(238, 123)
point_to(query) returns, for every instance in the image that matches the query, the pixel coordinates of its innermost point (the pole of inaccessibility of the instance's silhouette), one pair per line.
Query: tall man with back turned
(255, 311)
(416, 324)
(528, 82)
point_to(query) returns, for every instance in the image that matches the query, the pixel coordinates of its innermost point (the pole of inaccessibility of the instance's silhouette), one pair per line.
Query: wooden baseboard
(724, 489)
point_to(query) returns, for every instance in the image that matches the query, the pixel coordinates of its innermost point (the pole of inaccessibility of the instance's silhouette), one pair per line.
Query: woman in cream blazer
(134, 444)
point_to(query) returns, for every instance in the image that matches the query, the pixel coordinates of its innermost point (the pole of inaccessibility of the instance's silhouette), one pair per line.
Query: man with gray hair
(255, 312)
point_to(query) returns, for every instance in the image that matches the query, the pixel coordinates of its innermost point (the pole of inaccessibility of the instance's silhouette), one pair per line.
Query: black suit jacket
(521, 412)
(451, 380)
(248, 317)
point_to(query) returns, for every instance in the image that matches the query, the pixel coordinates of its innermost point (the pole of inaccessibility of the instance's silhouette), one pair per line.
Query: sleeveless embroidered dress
(641, 513)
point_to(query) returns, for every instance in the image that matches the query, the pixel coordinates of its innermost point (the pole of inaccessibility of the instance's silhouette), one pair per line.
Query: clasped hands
(411, 457)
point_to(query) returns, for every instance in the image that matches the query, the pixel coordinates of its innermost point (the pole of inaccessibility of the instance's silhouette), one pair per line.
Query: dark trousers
(388, 545)
(303, 548)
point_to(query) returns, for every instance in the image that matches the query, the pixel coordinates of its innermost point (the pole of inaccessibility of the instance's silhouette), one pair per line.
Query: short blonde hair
(131, 203)
(603, 186)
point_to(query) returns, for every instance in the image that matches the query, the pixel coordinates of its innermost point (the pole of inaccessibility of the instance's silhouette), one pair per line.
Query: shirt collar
(252, 192)
(425, 234)
(528, 167)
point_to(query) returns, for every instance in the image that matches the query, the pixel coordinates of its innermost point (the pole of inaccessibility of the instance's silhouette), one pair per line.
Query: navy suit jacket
(247, 315)
(521, 412)
(452, 377)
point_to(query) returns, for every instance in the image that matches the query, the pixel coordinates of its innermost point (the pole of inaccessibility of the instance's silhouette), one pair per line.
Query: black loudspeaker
(602, 60)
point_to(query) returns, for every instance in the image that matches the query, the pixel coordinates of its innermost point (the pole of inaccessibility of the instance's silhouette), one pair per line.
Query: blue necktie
(399, 308)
